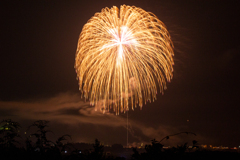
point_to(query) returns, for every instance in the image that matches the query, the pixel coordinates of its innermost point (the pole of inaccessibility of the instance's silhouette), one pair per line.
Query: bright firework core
(123, 57)
(120, 38)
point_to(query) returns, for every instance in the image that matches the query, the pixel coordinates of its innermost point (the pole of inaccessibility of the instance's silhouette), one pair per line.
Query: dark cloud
(5, 112)
(68, 109)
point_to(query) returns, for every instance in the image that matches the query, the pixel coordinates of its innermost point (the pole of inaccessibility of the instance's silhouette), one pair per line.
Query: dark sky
(38, 41)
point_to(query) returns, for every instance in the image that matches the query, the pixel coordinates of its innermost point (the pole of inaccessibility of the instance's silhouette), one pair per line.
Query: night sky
(38, 42)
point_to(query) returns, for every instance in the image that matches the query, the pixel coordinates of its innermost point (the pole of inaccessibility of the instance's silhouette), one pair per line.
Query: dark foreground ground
(37, 146)
(151, 152)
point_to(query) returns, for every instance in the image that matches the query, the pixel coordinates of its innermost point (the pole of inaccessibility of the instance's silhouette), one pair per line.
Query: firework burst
(123, 58)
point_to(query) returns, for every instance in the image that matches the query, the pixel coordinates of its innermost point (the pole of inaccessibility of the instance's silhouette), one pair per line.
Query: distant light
(65, 151)
(80, 152)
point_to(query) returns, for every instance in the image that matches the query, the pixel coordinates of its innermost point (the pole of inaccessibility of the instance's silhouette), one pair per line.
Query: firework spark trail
(116, 47)
(132, 85)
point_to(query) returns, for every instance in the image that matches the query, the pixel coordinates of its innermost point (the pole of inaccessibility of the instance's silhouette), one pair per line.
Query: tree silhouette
(42, 143)
(9, 133)
(59, 144)
(43, 147)
(167, 137)
(97, 153)
(155, 150)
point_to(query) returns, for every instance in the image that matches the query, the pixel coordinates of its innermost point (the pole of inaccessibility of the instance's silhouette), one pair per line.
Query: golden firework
(123, 57)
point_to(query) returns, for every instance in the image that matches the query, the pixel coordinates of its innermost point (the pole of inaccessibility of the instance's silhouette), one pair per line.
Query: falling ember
(122, 57)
